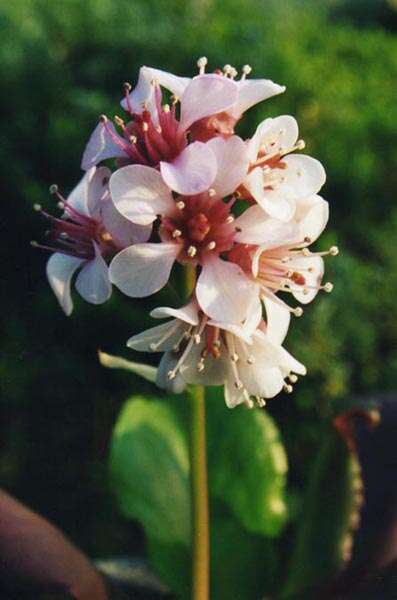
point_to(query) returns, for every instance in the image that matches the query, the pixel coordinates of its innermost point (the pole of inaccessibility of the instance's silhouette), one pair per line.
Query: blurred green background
(61, 65)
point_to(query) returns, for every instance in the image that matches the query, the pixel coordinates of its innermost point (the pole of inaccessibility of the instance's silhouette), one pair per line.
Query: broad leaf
(150, 469)
(248, 465)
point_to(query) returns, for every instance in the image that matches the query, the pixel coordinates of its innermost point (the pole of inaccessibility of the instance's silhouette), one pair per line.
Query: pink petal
(168, 363)
(274, 134)
(224, 292)
(304, 174)
(192, 172)
(187, 314)
(277, 321)
(252, 91)
(92, 282)
(206, 95)
(98, 188)
(255, 227)
(273, 202)
(144, 269)
(176, 85)
(101, 146)
(60, 270)
(140, 194)
(313, 277)
(232, 164)
(123, 232)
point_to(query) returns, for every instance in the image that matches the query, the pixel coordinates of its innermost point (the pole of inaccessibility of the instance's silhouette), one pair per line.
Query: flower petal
(272, 135)
(233, 395)
(214, 370)
(272, 202)
(277, 320)
(232, 164)
(60, 270)
(255, 227)
(313, 277)
(140, 194)
(252, 91)
(193, 170)
(142, 270)
(224, 292)
(312, 215)
(142, 94)
(206, 95)
(167, 363)
(97, 190)
(187, 314)
(102, 145)
(175, 84)
(123, 232)
(92, 282)
(304, 174)
(158, 339)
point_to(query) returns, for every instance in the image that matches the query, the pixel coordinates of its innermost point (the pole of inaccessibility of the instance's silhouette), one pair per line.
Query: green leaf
(331, 512)
(118, 362)
(248, 465)
(150, 469)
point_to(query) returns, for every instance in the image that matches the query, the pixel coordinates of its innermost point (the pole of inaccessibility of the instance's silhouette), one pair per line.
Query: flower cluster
(186, 189)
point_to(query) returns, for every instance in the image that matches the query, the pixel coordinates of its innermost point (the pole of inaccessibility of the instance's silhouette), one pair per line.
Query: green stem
(199, 480)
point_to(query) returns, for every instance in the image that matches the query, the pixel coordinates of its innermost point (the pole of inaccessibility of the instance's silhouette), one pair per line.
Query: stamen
(37, 207)
(211, 245)
(192, 251)
(34, 244)
(293, 378)
(328, 287)
(211, 192)
(288, 388)
(334, 251)
(298, 311)
(176, 233)
(251, 360)
(202, 63)
(166, 108)
(53, 188)
(230, 219)
(180, 204)
(246, 70)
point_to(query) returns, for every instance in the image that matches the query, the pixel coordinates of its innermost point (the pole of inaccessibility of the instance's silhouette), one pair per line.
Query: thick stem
(199, 480)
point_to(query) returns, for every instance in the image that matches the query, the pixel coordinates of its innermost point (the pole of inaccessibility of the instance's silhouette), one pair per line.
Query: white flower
(89, 232)
(277, 178)
(248, 359)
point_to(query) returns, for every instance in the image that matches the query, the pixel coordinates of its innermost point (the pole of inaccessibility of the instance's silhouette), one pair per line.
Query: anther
(119, 121)
(133, 139)
(171, 374)
(153, 346)
(251, 360)
(145, 126)
(211, 192)
(192, 251)
(103, 118)
(53, 188)
(307, 240)
(288, 388)
(166, 108)
(334, 251)
(298, 311)
(127, 86)
(238, 385)
(216, 344)
(37, 207)
(293, 378)
(234, 357)
(246, 70)
(61, 205)
(202, 63)
(200, 366)
(233, 73)
(63, 235)
(300, 145)
(106, 236)
(180, 204)
(328, 287)
(306, 252)
(230, 219)
(174, 99)
(211, 245)
(197, 338)
(176, 233)
(34, 244)
(227, 69)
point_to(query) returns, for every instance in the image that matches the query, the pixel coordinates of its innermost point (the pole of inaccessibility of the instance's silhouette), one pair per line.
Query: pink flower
(195, 230)
(249, 360)
(155, 137)
(90, 232)
(278, 179)
(284, 262)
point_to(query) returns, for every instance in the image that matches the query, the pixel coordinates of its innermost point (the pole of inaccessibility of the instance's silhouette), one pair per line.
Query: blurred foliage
(62, 64)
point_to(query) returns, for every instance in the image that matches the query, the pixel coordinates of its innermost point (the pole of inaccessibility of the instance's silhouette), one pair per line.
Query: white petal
(304, 174)
(224, 292)
(187, 314)
(175, 84)
(92, 282)
(313, 278)
(144, 269)
(204, 96)
(78, 196)
(257, 228)
(312, 215)
(192, 171)
(102, 145)
(273, 202)
(169, 332)
(232, 164)
(277, 321)
(60, 270)
(98, 189)
(233, 396)
(123, 232)
(142, 94)
(168, 363)
(280, 133)
(214, 369)
(140, 194)
(252, 91)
